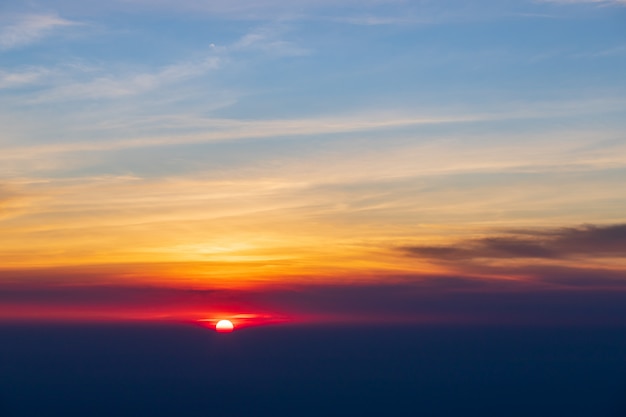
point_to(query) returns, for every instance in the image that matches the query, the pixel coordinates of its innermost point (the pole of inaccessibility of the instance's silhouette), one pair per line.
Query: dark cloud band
(563, 243)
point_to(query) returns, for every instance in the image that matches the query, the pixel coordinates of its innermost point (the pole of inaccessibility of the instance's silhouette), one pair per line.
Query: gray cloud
(584, 241)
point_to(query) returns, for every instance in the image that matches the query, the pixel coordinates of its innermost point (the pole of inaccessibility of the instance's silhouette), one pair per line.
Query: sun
(224, 326)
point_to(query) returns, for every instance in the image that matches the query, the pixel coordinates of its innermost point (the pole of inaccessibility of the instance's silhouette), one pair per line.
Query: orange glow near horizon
(245, 180)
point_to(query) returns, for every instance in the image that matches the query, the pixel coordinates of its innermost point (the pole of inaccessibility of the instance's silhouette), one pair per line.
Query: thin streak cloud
(27, 29)
(25, 77)
(584, 241)
(109, 87)
(242, 129)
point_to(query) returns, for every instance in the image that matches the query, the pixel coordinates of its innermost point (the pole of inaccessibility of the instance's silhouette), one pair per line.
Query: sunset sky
(271, 160)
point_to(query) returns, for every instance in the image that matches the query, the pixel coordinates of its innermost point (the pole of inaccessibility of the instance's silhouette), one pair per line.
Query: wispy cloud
(589, 256)
(27, 29)
(69, 82)
(11, 201)
(220, 130)
(267, 39)
(585, 241)
(155, 131)
(28, 76)
(109, 87)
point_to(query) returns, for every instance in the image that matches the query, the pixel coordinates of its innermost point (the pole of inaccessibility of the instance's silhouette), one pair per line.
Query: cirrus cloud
(30, 28)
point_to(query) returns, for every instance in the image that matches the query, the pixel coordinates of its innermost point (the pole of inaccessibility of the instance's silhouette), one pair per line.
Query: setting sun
(224, 326)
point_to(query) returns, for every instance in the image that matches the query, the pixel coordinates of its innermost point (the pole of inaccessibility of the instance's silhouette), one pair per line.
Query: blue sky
(312, 135)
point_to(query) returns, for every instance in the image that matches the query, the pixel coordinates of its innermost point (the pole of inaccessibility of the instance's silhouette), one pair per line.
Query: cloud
(585, 241)
(5, 198)
(110, 87)
(219, 130)
(467, 299)
(572, 277)
(11, 202)
(28, 29)
(67, 82)
(25, 77)
(265, 39)
(415, 299)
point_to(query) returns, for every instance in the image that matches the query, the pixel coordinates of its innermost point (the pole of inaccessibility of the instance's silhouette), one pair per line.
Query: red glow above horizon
(241, 321)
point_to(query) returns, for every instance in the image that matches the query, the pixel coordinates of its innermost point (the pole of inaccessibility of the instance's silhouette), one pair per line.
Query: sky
(269, 161)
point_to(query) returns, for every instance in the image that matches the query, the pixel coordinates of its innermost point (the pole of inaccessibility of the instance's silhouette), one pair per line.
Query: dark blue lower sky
(180, 370)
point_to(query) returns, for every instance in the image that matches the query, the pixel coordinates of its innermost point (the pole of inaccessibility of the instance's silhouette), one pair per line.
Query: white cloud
(22, 78)
(129, 85)
(80, 81)
(265, 39)
(165, 130)
(221, 130)
(27, 29)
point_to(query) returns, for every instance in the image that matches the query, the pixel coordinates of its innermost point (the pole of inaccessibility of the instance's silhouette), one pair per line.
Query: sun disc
(224, 326)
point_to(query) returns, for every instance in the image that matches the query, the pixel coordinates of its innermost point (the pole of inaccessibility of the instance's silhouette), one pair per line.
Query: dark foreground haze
(183, 370)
